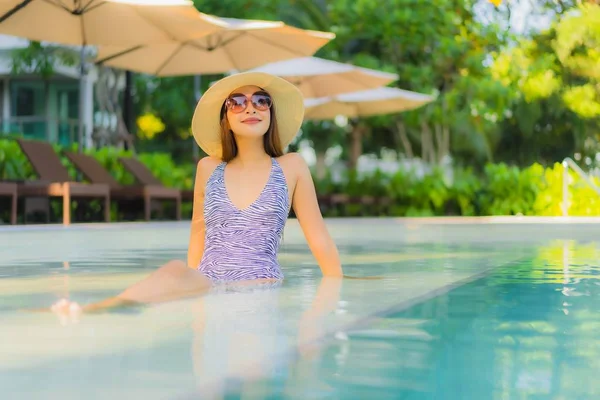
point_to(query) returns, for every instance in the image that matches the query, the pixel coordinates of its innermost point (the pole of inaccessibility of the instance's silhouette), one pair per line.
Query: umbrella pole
(82, 74)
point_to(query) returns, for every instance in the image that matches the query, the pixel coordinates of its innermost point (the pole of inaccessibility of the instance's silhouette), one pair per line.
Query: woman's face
(255, 119)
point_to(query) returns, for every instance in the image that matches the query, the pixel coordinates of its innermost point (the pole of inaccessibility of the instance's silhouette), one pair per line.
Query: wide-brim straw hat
(288, 103)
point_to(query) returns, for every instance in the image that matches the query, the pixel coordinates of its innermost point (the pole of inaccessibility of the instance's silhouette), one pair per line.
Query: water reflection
(528, 331)
(240, 335)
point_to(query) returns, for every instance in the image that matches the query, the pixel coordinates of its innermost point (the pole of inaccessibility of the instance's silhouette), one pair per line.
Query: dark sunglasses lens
(261, 102)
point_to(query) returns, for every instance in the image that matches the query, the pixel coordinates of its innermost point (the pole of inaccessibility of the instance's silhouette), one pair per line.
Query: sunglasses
(237, 102)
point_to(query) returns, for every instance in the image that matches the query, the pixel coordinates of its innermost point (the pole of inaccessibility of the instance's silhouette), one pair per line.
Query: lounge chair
(187, 195)
(54, 180)
(149, 189)
(10, 190)
(144, 176)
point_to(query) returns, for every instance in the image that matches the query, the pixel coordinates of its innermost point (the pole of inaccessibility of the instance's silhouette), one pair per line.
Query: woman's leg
(172, 281)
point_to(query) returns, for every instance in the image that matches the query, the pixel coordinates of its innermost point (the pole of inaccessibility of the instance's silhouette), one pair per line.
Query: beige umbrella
(244, 44)
(104, 22)
(385, 100)
(317, 77)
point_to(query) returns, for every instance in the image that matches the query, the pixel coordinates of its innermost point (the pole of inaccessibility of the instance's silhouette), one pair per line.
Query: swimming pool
(496, 310)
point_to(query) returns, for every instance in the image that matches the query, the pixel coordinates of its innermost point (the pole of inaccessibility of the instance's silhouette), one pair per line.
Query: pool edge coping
(334, 220)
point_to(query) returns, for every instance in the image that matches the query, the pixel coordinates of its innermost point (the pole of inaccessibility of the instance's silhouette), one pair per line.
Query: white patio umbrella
(385, 100)
(104, 22)
(317, 77)
(241, 45)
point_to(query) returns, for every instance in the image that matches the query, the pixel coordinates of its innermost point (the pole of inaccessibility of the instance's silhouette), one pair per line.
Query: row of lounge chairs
(54, 181)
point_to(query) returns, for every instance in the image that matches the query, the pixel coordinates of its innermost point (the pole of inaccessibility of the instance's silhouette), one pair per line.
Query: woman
(242, 195)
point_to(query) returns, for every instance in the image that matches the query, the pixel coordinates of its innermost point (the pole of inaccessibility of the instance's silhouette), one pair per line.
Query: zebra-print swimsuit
(242, 244)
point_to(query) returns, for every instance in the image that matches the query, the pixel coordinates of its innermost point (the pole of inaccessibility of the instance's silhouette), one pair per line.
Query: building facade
(40, 109)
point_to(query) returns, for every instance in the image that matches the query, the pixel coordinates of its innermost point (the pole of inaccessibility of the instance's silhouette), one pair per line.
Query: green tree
(577, 47)
(246, 9)
(321, 135)
(437, 48)
(554, 76)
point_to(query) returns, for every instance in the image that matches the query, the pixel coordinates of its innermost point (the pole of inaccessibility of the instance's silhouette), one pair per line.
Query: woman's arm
(311, 221)
(197, 228)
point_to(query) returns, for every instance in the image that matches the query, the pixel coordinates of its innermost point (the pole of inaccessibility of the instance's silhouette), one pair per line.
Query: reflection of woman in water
(242, 195)
(244, 334)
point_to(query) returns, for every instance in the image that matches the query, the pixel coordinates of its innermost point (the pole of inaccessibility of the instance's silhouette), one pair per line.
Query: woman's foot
(68, 312)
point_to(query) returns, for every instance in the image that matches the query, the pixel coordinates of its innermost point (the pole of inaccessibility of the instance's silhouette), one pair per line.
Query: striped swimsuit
(242, 244)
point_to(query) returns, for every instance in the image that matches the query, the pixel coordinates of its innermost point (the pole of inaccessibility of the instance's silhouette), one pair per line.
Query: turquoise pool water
(529, 330)
(464, 311)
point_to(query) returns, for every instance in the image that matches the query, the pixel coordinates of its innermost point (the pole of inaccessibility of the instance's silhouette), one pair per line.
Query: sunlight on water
(527, 331)
(458, 315)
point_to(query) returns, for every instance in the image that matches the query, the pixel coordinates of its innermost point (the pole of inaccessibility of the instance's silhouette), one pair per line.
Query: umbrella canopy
(317, 77)
(242, 45)
(104, 22)
(365, 103)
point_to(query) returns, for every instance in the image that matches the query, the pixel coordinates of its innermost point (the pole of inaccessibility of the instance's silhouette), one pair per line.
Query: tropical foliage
(511, 101)
(499, 190)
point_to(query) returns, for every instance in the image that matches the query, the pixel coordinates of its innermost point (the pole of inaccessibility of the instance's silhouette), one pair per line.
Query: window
(24, 102)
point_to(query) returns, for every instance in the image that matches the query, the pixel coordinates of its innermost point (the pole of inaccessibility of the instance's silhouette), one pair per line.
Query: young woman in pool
(243, 193)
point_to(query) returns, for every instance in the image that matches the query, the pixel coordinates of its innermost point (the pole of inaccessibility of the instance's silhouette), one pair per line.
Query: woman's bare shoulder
(208, 163)
(294, 168)
(206, 167)
(293, 161)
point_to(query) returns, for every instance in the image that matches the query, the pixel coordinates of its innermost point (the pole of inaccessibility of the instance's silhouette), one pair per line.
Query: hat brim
(287, 99)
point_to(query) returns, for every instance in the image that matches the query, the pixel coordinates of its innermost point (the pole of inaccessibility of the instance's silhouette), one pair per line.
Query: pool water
(464, 311)
(529, 330)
